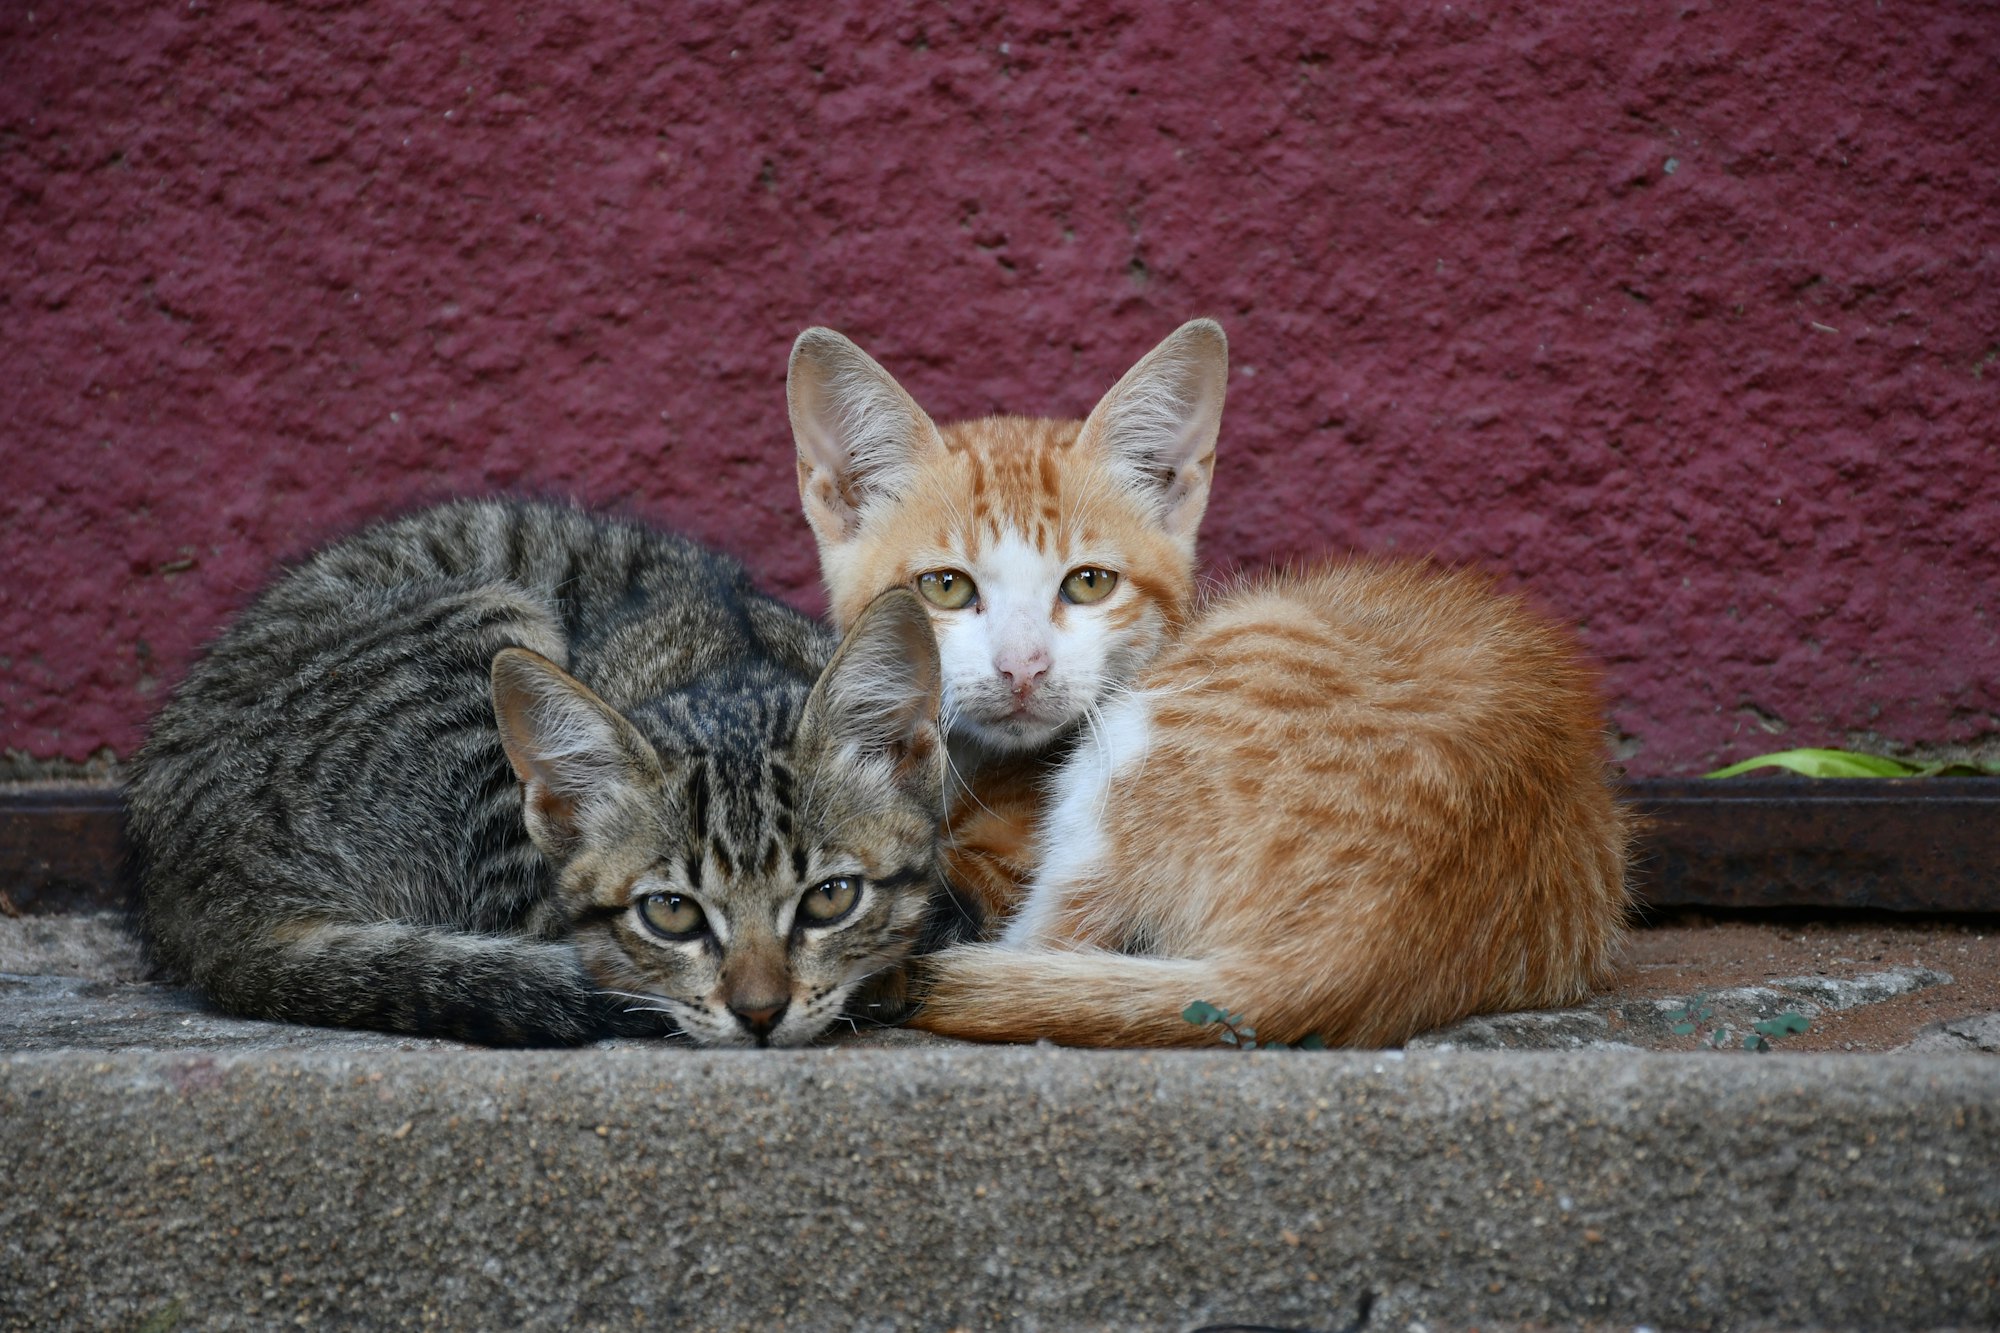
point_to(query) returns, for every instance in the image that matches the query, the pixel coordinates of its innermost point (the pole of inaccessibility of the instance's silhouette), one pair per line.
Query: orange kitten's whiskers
(960, 783)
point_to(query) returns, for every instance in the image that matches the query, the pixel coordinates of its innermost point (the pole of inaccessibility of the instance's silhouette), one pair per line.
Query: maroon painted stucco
(1686, 315)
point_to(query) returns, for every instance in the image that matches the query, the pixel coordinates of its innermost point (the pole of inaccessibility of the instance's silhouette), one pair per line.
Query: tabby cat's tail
(1093, 997)
(397, 977)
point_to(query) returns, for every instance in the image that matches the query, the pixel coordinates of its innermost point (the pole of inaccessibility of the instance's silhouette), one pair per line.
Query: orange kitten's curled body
(1358, 803)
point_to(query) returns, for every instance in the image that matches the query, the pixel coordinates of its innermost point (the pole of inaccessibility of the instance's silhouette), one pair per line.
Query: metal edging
(1887, 844)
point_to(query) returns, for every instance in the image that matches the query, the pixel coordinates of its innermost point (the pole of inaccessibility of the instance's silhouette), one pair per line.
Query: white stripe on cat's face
(1020, 664)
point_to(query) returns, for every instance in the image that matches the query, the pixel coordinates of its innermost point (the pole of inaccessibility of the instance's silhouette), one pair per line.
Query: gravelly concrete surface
(1727, 1016)
(82, 981)
(100, 946)
(170, 1165)
(1959, 1035)
(1029, 1188)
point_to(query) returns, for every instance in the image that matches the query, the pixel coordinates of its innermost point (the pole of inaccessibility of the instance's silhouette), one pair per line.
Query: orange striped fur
(1356, 802)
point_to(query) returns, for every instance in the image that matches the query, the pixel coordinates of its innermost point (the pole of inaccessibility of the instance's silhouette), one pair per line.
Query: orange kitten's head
(1054, 556)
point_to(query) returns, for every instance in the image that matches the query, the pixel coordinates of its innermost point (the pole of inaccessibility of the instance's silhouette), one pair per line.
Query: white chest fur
(1072, 844)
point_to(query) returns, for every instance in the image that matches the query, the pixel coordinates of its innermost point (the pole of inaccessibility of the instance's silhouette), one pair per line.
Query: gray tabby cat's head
(744, 889)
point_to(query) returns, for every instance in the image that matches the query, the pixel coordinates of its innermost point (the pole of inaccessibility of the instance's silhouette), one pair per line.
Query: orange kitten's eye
(828, 902)
(947, 588)
(672, 916)
(1084, 586)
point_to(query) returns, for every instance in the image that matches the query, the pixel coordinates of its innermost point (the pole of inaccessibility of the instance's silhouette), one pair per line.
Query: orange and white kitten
(1356, 802)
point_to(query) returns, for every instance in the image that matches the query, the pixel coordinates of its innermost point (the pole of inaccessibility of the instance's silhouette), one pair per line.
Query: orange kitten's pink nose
(1023, 670)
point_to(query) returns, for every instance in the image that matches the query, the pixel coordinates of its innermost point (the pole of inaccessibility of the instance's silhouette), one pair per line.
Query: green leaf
(1753, 1042)
(1783, 1025)
(1242, 1031)
(1249, 1045)
(1956, 769)
(1313, 1042)
(166, 1318)
(1677, 1015)
(1201, 1013)
(1822, 764)
(1683, 1029)
(1229, 1037)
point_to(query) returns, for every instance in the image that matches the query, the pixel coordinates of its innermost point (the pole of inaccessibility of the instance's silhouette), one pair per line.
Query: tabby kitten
(514, 774)
(1356, 802)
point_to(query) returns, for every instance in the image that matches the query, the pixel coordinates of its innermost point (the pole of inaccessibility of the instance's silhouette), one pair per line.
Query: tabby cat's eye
(1087, 585)
(947, 588)
(828, 902)
(672, 916)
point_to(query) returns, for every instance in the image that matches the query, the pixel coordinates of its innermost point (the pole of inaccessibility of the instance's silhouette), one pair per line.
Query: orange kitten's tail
(1091, 997)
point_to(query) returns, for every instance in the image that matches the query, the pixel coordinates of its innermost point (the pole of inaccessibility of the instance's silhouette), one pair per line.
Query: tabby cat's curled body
(510, 773)
(1356, 802)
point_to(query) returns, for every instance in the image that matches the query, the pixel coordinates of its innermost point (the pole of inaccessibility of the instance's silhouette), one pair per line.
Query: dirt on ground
(1689, 953)
(1668, 959)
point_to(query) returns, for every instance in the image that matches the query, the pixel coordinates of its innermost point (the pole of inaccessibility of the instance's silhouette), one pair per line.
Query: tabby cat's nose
(760, 1018)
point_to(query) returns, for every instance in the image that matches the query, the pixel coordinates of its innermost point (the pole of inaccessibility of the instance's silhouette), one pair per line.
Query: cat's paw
(887, 998)
(619, 1019)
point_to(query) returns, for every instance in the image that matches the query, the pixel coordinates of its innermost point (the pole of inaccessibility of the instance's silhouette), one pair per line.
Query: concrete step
(168, 1167)
(1029, 1187)
(934, 1187)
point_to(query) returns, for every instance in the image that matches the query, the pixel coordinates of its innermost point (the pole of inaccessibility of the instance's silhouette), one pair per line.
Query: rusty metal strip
(62, 849)
(1903, 845)
(1891, 844)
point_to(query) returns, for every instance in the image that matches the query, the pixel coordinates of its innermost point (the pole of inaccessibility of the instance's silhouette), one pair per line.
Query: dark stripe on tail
(493, 990)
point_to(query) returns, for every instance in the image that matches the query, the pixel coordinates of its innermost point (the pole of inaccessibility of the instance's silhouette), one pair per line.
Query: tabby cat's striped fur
(510, 773)
(1353, 803)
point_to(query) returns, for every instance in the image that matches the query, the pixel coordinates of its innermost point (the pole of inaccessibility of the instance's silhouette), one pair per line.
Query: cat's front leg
(988, 837)
(1069, 916)
(1070, 901)
(886, 998)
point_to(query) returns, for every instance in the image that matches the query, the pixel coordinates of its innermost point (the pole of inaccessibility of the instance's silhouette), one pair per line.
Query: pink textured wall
(1686, 314)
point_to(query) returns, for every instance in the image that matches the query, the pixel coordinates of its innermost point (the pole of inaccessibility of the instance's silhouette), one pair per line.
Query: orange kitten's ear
(858, 433)
(1159, 423)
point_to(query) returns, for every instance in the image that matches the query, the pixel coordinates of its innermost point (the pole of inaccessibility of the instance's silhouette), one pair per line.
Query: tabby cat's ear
(877, 702)
(1159, 423)
(572, 751)
(859, 435)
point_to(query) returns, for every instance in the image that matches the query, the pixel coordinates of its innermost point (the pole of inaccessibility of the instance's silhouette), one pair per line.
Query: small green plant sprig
(1767, 1030)
(1697, 1013)
(1852, 764)
(1238, 1033)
